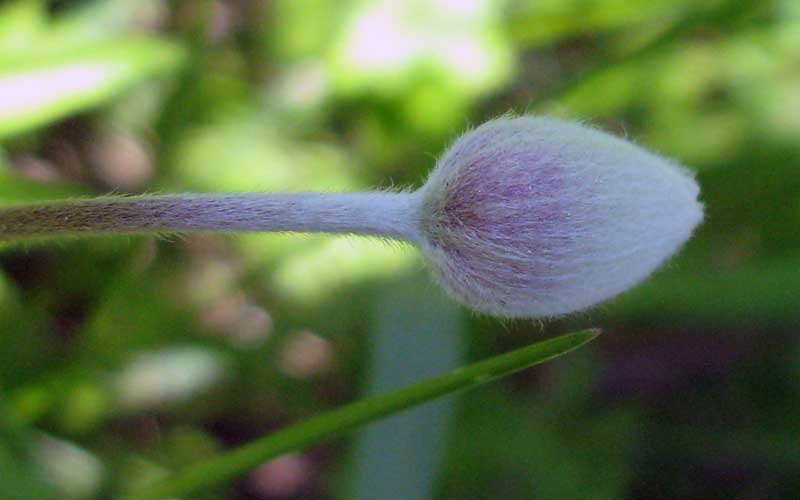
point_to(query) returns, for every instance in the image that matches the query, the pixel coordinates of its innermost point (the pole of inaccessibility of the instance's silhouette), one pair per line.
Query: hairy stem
(392, 215)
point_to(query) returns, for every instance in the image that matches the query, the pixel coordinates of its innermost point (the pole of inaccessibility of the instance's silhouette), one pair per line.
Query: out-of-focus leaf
(35, 92)
(400, 457)
(542, 21)
(159, 378)
(250, 151)
(19, 481)
(296, 35)
(19, 477)
(73, 471)
(388, 47)
(99, 20)
(316, 272)
(21, 23)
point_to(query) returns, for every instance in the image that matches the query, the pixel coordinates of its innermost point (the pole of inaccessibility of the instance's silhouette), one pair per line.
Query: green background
(124, 358)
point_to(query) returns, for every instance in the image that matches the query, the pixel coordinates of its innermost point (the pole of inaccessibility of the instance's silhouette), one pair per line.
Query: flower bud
(534, 217)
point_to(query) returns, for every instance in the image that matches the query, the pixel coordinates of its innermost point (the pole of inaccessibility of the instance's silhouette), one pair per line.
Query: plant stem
(392, 215)
(340, 421)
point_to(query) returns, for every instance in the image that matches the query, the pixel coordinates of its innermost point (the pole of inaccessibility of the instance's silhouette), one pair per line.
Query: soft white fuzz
(522, 217)
(376, 214)
(531, 217)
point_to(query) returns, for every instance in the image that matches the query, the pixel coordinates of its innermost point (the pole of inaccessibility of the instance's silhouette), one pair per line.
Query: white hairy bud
(522, 217)
(526, 217)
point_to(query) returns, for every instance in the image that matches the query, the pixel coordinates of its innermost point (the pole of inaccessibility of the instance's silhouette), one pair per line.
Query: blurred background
(125, 358)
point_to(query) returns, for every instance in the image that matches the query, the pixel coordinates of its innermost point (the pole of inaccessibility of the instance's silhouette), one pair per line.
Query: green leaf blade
(37, 91)
(340, 421)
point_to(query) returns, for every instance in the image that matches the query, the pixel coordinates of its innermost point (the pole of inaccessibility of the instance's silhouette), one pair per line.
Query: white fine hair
(521, 217)
(531, 217)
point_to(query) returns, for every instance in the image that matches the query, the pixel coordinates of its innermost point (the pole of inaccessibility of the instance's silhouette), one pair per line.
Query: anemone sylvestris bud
(522, 217)
(526, 217)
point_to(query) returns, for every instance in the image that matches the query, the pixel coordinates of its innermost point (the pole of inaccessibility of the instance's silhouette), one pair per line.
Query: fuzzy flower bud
(522, 217)
(530, 217)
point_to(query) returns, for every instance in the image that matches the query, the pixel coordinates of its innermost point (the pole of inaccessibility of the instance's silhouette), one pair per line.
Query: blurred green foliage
(140, 355)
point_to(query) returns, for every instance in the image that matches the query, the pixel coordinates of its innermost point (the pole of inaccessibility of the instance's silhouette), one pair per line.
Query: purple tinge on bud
(532, 217)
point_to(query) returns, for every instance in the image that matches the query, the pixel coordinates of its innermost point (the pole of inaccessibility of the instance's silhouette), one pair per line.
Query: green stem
(337, 422)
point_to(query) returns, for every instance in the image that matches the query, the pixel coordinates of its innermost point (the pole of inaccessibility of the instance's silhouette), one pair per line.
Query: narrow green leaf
(36, 91)
(338, 422)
